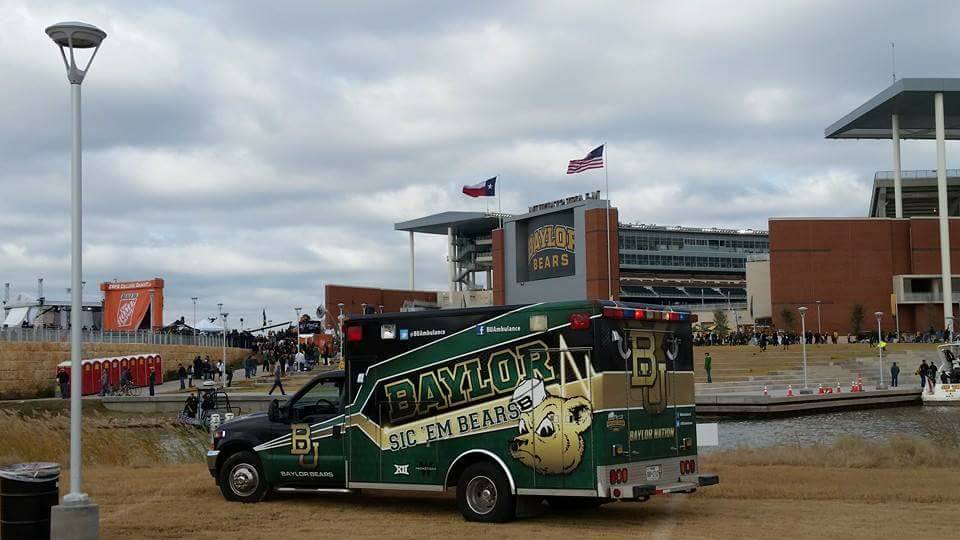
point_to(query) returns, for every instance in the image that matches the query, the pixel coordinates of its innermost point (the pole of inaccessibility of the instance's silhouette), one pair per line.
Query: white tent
(210, 325)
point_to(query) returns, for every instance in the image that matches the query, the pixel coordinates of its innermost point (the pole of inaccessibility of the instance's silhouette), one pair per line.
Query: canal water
(939, 424)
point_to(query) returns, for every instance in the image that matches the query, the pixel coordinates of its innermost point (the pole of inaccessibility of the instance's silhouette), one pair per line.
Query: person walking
(182, 374)
(922, 372)
(894, 373)
(104, 382)
(153, 379)
(326, 353)
(932, 376)
(266, 361)
(197, 368)
(277, 373)
(707, 366)
(64, 380)
(220, 368)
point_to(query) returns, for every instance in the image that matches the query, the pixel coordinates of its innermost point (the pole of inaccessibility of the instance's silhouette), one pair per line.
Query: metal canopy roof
(465, 223)
(912, 99)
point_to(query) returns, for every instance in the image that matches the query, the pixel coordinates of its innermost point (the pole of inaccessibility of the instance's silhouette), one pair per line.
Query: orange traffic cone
(859, 383)
(765, 390)
(789, 390)
(839, 390)
(820, 388)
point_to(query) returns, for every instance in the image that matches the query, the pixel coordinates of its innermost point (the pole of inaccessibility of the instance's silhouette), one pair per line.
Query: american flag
(594, 160)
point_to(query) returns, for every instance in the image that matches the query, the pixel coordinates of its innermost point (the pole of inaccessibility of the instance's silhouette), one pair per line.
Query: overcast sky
(251, 152)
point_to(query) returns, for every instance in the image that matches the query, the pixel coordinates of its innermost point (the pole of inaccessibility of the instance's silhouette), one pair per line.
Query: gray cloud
(250, 153)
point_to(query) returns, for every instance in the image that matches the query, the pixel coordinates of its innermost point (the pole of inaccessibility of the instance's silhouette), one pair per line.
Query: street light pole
(78, 516)
(340, 328)
(803, 343)
(298, 309)
(819, 330)
(224, 315)
(194, 298)
(879, 315)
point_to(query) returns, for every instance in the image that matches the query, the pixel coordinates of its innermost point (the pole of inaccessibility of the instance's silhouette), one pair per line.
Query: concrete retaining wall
(27, 369)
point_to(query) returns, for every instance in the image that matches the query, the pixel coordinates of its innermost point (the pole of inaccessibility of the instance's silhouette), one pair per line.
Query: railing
(144, 337)
(924, 298)
(735, 306)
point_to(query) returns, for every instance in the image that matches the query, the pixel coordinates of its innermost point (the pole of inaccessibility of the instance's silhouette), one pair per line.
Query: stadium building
(894, 266)
(558, 250)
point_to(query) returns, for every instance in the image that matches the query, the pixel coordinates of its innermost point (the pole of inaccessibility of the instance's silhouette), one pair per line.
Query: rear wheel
(483, 494)
(241, 478)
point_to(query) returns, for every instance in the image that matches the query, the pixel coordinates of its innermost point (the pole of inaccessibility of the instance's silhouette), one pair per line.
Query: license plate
(653, 473)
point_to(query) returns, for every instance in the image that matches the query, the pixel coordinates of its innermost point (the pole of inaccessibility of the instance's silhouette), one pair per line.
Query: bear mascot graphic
(551, 428)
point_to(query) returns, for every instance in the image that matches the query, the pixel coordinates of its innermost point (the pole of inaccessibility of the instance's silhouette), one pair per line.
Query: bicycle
(126, 389)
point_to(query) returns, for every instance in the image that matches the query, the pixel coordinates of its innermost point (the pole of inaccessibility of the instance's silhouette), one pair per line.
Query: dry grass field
(752, 501)
(146, 474)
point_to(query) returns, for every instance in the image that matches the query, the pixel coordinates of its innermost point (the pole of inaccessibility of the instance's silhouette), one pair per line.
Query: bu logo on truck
(301, 445)
(128, 302)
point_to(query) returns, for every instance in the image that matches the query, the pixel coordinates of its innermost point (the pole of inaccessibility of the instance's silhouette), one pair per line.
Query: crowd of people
(783, 339)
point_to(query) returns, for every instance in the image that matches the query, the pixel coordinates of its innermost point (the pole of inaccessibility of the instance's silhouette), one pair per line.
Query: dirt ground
(181, 501)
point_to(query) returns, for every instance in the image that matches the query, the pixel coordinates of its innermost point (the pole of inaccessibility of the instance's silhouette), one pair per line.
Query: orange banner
(126, 305)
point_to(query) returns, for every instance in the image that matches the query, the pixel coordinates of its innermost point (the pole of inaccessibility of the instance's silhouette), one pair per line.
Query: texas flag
(487, 188)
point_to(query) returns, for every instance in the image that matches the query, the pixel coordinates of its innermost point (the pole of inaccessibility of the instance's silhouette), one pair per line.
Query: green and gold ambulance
(578, 403)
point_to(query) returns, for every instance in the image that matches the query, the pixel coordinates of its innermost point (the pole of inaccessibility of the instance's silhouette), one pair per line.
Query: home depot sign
(127, 304)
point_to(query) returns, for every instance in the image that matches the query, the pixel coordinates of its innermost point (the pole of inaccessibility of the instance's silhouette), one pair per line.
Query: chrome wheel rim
(481, 495)
(244, 479)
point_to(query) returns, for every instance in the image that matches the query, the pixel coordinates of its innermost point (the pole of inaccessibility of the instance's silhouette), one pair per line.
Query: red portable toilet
(125, 364)
(158, 363)
(96, 367)
(152, 365)
(87, 381)
(141, 373)
(114, 371)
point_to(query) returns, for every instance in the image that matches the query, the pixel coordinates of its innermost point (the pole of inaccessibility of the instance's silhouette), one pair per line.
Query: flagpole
(606, 174)
(500, 201)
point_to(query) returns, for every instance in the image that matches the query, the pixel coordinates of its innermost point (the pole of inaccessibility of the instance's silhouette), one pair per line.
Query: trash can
(27, 493)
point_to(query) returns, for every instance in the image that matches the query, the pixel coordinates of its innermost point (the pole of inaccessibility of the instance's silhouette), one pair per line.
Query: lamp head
(76, 35)
(802, 309)
(879, 314)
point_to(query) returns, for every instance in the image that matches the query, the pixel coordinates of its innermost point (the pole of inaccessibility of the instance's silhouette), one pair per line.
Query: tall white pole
(803, 342)
(194, 320)
(451, 254)
(500, 200)
(606, 175)
(897, 174)
(224, 315)
(819, 330)
(412, 266)
(945, 272)
(76, 373)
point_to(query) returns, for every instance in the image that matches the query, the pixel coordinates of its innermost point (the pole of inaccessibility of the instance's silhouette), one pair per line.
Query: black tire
(575, 503)
(483, 494)
(241, 478)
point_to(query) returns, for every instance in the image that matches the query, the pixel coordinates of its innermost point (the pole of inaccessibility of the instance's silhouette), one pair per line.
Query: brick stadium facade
(847, 261)
(353, 298)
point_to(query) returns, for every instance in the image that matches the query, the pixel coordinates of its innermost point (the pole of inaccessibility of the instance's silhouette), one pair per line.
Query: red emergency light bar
(647, 314)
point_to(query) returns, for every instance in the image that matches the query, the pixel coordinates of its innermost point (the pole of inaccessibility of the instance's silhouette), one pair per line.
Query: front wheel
(483, 494)
(241, 478)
